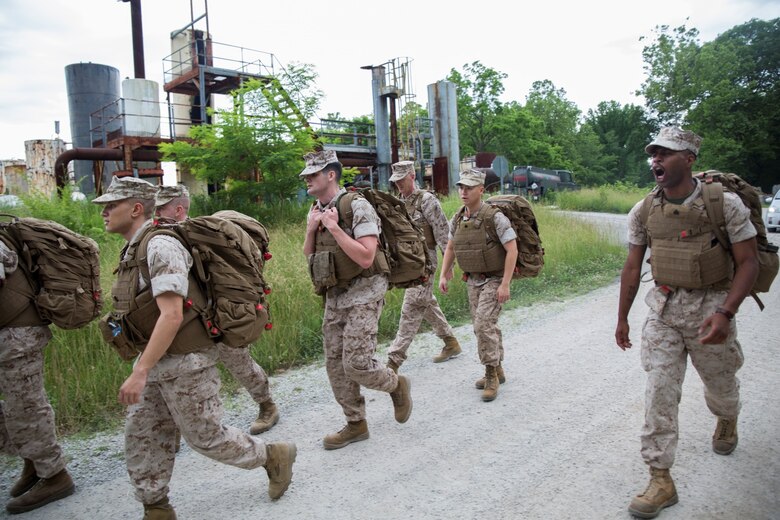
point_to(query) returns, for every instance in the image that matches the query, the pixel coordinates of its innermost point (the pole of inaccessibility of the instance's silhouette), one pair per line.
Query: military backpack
(530, 253)
(62, 268)
(228, 264)
(401, 239)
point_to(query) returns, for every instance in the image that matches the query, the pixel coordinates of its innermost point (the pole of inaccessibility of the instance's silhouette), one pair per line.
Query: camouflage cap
(401, 169)
(675, 138)
(127, 188)
(168, 193)
(471, 177)
(316, 161)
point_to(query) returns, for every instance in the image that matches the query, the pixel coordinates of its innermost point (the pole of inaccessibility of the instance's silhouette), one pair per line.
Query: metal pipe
(96, 154)
(138, 38)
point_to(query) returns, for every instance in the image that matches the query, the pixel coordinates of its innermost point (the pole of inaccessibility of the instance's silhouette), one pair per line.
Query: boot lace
(723, 430)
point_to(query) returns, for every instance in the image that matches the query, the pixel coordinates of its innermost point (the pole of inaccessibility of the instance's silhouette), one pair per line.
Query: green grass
(83, 374)
(619, 198)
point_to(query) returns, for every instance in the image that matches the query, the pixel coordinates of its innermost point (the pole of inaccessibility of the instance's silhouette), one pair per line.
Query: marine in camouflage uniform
(487, 292)
(419, 302)
(170, 390)
(173, 202)
(352, 306)
(26, 417)
(683, 322)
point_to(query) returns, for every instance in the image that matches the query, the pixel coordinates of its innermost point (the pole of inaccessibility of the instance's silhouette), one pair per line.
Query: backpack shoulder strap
(489, 211)
(712, 193)
(344, 207)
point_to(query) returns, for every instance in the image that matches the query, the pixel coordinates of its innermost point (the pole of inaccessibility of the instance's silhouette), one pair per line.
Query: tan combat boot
(491, 384)
(480, 383)
(450, 350)
(402, 399)
(280, 457)
(725, 438)
(392, 365)
(268, 416)
(660, 493)
(161, 510)
(27, 479)
(44, 491)
(354, 431)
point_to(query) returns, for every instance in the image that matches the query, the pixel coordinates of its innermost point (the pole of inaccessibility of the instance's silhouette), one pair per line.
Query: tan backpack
(401, 239)
(228, 266)
(530, 253)
(62, 266)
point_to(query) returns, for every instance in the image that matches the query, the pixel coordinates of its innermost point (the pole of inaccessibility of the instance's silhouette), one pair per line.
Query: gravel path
(561, 441)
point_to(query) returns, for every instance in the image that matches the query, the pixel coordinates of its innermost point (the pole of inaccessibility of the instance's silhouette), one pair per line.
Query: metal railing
(142, 118)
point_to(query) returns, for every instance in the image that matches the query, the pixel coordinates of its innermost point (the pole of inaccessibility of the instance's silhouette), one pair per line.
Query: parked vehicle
(533, 182)
(772, 218)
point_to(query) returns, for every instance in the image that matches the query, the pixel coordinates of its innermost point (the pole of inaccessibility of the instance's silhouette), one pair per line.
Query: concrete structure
(443, 108)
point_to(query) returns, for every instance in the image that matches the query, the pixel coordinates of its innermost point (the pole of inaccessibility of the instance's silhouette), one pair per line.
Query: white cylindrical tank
(141, 107)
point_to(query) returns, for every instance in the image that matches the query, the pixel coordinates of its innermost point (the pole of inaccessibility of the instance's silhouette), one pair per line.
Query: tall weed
(616, 198)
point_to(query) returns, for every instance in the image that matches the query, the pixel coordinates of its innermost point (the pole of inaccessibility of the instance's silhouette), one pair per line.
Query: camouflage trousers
(669, 337)
(419, 304)
(26, 417)
(190, 402)
(245, 369)
(349, 342)
(484, 308)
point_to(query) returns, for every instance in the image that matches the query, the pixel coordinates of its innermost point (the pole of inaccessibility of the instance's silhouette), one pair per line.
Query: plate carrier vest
(684, 249)
(330, 266)
(476, 243)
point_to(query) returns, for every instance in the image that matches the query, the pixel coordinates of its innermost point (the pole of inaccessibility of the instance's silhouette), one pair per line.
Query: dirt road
(560, 442)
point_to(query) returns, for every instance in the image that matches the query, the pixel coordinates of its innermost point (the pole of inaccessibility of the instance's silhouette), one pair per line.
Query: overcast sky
(591, 49)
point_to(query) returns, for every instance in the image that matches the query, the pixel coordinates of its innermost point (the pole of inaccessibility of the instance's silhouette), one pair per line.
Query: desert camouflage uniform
(483, 301)
(26, 417)
(181, 391)
(244, 368)
(670, 335)
(350, 325)
(419, 302)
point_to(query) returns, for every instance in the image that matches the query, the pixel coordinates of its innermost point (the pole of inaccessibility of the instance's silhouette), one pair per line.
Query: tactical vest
(684, 250)
(476, 243)
(414, 208)
(17, 302)
(138, 311)
(330, 266)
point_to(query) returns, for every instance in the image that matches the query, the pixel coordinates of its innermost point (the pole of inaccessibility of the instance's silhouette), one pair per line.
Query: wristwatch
(727, 313)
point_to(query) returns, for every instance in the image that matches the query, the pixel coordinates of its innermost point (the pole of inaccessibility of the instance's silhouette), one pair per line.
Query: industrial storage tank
(141, 107)
(91, 87)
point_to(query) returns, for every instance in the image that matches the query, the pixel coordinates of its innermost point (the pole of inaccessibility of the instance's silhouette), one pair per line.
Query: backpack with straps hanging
(62, 267)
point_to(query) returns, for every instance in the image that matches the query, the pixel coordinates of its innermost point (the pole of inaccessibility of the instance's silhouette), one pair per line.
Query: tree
(726, 90)
(478, 91)
(255, 148)
(623, 132)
